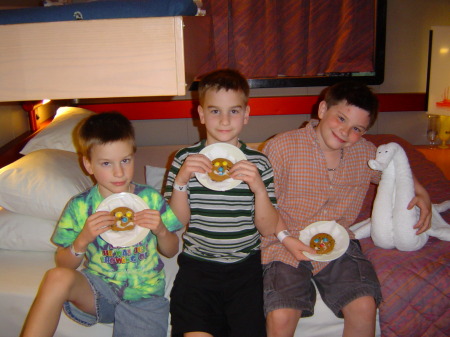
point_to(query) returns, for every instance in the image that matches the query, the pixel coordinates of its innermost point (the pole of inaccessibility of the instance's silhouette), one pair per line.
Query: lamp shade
(439, 71)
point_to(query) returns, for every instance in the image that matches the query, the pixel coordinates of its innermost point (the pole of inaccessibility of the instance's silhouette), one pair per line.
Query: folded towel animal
(391, 224)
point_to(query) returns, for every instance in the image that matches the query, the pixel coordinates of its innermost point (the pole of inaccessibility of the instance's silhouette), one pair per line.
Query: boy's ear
(87, 165)
(322, 109)
(247, 114)
(201, 114)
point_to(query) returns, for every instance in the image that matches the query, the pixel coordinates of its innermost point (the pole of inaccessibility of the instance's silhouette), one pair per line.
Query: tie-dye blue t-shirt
(133, 272)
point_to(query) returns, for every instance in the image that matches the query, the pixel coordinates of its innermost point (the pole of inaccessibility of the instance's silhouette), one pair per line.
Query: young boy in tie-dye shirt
(120, 285)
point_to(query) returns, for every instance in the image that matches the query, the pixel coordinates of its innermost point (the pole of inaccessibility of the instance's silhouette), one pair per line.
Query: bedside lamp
(441, 113)
(438, 86)
(444, 130)
(32, 108)
(443, 127)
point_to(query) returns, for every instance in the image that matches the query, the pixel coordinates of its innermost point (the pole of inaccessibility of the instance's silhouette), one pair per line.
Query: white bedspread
(21, 274)
(22, 270)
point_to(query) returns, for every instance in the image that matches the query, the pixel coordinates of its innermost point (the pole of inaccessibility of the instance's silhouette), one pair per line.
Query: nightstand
(441, 157)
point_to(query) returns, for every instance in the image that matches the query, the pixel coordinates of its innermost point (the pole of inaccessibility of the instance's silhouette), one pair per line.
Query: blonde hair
(104, 128)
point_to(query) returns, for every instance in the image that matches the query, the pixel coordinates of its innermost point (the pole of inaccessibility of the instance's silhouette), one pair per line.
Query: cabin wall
(408, 25)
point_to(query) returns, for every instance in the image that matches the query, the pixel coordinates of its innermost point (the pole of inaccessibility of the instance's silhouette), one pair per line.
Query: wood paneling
(100, 58)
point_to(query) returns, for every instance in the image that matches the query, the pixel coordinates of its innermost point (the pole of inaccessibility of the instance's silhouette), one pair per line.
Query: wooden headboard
(10, 151)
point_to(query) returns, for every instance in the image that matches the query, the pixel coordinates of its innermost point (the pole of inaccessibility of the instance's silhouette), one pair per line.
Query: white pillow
(59, 134)
(40, 183)
(24, 232)
(154, 176)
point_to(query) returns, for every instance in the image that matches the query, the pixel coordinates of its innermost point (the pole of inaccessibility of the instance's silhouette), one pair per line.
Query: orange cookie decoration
(323, 243)
(124, 219)
(220, 167)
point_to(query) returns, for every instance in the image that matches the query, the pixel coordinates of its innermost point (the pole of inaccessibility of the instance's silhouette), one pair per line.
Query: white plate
(221, 150)
(124, 238)
(340, 235)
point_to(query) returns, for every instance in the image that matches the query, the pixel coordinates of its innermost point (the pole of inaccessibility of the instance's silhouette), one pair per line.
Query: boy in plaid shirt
(321, 173)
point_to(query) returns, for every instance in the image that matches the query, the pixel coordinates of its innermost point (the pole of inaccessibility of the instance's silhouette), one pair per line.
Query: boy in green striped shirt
(218, 289)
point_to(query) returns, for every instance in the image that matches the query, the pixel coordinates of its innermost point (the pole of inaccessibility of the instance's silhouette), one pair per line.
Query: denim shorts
(343, 280)
(146, 317)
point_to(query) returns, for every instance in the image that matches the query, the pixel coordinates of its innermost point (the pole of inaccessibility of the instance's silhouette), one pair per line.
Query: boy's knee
(285, 318)
(59, 276)
(367, 304)
(362, 307)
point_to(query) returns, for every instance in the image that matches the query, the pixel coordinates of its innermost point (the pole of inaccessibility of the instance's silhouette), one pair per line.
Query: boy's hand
(193, 163)
(296, 248)
(96, 224)
(248, 172)
(151, 219)
(424, 203)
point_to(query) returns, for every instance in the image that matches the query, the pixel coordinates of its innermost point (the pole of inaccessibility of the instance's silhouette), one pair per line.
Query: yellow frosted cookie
(220, 168)
(124, 219)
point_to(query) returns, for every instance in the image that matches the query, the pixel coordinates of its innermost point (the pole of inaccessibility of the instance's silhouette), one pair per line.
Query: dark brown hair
(228, 79)
(354, 93)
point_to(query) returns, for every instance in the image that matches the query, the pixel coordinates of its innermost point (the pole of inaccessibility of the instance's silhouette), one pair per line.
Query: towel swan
(391, 224)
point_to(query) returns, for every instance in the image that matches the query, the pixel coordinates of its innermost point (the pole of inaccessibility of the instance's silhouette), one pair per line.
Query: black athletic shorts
(220, 299)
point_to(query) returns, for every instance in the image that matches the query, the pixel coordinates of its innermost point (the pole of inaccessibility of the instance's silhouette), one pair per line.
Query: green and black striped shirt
(221, 227)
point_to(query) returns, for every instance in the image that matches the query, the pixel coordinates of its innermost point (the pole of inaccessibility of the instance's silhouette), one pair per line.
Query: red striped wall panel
(260, 106)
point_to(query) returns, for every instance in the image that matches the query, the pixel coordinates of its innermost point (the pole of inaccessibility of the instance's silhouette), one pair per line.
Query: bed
(136, 48)
(415, 285)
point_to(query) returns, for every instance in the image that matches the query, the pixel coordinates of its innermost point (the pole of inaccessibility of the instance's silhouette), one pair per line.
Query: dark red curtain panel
(270, 38)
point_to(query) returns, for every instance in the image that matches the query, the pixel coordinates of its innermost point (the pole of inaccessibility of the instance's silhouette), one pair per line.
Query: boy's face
(224, 114)
(112, 165)
(341, 125)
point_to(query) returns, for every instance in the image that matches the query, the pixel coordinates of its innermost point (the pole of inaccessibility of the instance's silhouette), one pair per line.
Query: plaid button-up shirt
(304, 191)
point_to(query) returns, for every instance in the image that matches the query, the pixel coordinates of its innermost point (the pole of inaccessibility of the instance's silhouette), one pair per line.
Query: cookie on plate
(323, 243)
(220, 169)
(124, 219)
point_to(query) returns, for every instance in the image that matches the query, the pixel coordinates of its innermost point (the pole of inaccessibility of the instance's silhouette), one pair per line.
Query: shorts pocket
(269, 270)
(365, 267)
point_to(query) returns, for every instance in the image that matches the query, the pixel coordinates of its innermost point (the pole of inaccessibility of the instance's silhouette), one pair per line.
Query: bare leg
(282, 322)
(360, 317)
(197, 334)
(58, 286)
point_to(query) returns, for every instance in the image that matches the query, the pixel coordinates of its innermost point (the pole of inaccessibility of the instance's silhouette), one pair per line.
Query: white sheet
(22, 273)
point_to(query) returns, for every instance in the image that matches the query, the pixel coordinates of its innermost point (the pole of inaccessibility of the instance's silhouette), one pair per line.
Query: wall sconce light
(32, 109)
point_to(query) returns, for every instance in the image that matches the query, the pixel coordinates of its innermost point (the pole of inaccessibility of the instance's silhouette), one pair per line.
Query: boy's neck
(104, 192)
(234, 142)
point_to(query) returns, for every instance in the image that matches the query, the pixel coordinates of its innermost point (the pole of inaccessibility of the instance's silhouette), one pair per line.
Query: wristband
(75, 253)
(181, 188)
(283, 235)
